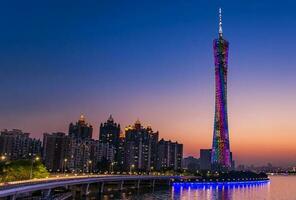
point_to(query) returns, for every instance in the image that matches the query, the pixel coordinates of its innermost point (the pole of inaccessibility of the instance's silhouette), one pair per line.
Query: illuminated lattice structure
(220, 158)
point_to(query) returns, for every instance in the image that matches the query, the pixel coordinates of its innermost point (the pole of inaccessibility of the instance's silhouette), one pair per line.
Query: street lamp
(111, 166)
(65, 165)
(3, 158)
(89, 166)
(131, 168)
(31, 171)
(151, 170)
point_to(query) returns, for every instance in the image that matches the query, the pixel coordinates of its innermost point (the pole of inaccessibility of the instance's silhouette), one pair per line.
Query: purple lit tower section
(220, 158)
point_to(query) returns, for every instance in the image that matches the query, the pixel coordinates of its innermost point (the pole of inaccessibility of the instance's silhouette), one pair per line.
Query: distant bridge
(17, 189)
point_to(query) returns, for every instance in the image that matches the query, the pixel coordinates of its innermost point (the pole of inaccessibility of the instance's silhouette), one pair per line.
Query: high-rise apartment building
(169, 156)
(83, 155)
(110, 132)
(15, 145)
(55, 151)
(140, 148)
(110, 137)
(81, 129)
(205, 159)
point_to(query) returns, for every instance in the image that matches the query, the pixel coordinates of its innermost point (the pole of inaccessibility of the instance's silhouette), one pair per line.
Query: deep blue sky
(146, 59)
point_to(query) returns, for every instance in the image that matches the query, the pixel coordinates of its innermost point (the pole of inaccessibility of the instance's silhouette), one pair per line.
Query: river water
(279, 188)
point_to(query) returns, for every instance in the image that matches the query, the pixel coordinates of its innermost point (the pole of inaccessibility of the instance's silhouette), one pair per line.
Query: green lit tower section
(220, 157)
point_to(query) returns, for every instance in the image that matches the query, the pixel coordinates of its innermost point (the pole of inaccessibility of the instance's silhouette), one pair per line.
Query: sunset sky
(152, 60)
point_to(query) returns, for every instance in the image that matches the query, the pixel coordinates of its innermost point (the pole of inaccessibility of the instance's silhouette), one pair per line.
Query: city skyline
(155, 65)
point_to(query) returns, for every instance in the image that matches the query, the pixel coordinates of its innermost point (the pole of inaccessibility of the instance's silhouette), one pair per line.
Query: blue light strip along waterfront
(237, 183)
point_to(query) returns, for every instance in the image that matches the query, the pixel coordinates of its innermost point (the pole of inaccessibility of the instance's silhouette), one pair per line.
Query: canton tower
(220, 158)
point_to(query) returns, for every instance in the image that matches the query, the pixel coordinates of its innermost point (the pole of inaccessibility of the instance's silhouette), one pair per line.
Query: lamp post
(151, 169)
(65, 165)
(31, 171)
(3, 158)
(89, 166)
(131, 168)
(111, 166)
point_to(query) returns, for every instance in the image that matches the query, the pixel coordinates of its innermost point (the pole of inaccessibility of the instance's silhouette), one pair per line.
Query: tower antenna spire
(220, 23)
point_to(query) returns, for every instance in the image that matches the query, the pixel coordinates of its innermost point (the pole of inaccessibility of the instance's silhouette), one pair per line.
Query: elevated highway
(15, 189)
